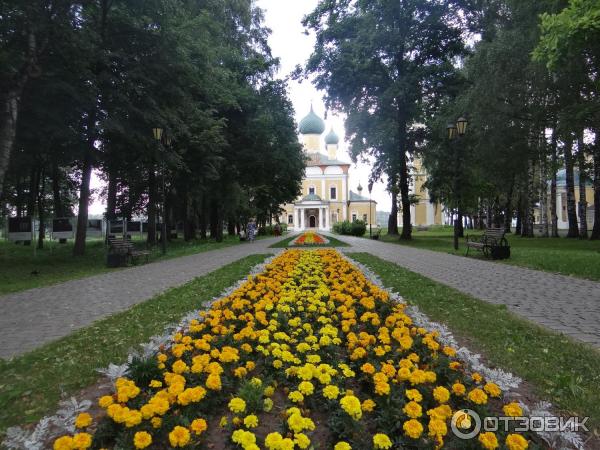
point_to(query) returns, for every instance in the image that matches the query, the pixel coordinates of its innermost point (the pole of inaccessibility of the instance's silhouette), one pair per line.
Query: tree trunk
(461, 224)
(58, 207)
(111, 197)
(544, 193)
(582, 204)
(393, 218)
(41, 212)
(528, 207)
(84, 191)
(9, 113)
(404, 196)
(553, 212)
(571, 204)
(214, 220)
(152, 194)
(596, 230)
(519, 224)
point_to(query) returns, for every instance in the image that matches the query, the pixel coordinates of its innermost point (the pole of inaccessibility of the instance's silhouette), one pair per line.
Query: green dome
(332, 138)
(311, 198)
(312, 124)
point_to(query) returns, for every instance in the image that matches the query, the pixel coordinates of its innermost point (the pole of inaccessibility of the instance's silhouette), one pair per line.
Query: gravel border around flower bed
(63, 421)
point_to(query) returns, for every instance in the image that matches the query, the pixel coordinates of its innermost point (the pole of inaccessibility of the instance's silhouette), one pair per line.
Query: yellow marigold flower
(449, 351)
(83, 420)
(155, 384)
(459, 389)
(512, 409)
(352, 406)
(454, 365)
(223, 422)
(488, 440)
(516, 442)
(441, 394)
(213, 382)
(81, 441)
(180, 367)
(306, 387)
(273, 441)
(382, 441)
(437, 427)
(269, 391)
(368, 368)
(382, 388)
(198, 426)
(413, 428)
(342, 446)
(301, 440)
(413, 410)
(267, 405)
(476, 377)
(179, 437)
(156, 422)
(105, 401)
(478, 396)
(331, 392)
(237, 405)
(413, 394)
(251, 421)
(442, 412)
(277, 364)
(296, 396)
(368, 405)
(286, 444)
(63, 443)
(142, 439)
(492, 389)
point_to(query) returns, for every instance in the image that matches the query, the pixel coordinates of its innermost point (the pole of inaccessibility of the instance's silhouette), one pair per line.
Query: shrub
(356, 228)
(359, 228)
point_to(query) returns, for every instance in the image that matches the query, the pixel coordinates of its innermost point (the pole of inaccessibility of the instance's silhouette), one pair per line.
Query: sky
(292, 46)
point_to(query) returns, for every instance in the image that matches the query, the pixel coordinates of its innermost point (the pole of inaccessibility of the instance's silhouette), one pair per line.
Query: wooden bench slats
(120, 246)
(492, 237)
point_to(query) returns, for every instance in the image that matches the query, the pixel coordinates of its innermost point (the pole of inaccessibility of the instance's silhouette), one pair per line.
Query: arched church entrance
(312, 222)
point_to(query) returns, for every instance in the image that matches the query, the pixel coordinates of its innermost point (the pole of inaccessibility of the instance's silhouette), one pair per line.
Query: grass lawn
(56, 263)
(565, 372)
(333, 242)
(580, 258)
(31, 385)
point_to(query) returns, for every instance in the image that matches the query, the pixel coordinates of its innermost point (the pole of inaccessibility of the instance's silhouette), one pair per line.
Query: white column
(323, 193)
(430, 214)
(302, 218)
(344, 198)
(327, 213)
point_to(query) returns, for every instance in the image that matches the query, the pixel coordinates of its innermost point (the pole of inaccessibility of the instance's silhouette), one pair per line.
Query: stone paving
(564, 304)
(34, 317)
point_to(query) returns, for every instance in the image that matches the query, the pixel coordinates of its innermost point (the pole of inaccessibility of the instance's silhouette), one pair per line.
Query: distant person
(251, 230)
(277, 229)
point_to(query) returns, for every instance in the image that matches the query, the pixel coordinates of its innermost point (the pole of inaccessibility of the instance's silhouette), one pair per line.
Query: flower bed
(309, 352)
(309, 238)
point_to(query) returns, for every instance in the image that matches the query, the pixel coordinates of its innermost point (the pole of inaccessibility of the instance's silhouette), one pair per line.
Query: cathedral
(326, 197)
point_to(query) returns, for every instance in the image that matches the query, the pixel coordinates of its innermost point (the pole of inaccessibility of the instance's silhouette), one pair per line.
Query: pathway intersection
(37, 316)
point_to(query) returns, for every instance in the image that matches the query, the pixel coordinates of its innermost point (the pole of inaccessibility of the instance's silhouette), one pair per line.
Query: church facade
(326, 197)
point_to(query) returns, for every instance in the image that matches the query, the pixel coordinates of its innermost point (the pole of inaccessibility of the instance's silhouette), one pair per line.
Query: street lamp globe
(158, 132)
(461, 126)
(451, 131)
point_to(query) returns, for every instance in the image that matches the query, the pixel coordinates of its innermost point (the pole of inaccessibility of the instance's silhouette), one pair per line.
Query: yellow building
(326, 197)
(561, 200)
(423, 213)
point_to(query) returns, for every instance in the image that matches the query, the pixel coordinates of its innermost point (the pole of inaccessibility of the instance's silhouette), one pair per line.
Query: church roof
(311, 198)
(354, 197)
(319, 159)
(312, 124)
(332, 138)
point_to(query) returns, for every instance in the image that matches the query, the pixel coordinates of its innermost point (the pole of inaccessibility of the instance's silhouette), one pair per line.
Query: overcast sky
(289, 43)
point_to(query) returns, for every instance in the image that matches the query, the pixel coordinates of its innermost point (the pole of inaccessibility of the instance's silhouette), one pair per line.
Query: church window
(354, 217)
(365, 218)
(333, 193)
(290, 219)
(311, 190)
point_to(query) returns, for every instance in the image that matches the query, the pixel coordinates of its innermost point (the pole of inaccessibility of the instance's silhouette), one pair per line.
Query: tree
(400, 56)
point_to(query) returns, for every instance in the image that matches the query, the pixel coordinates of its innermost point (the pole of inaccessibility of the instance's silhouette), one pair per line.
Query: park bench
(124, 251)
(492, 243)
(376, 234)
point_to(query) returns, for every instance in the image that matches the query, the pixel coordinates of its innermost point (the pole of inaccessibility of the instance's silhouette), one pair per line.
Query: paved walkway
(35, 317)
(565, 304)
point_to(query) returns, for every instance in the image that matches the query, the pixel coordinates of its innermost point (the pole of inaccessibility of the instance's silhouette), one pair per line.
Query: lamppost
(163, 139)
(457, 130)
